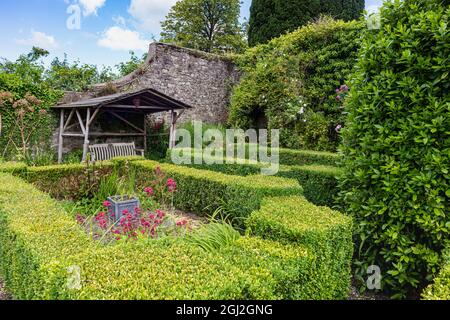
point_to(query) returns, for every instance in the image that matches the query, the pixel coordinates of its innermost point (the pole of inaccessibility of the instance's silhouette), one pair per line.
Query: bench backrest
(102, 152)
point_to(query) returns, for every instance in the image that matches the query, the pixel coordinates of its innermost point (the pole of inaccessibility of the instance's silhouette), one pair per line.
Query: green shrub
(297, 72)
(440, 289)
(70, 181)
(272, 18)
(13, 167)
(288, 157)
(203, 192)
(39, 243)
(397, 147)
(319, 182)
(320, 229)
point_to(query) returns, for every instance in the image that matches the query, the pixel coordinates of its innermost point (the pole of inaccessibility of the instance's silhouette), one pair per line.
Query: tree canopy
(272, 18)
(207, 25)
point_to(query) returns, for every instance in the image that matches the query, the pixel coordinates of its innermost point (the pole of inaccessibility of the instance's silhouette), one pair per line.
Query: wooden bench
(102, 152)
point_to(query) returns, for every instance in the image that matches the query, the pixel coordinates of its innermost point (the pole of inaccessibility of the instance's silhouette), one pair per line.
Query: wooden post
(172, 129)
(60, 140)
(145, 134)
(86, 135)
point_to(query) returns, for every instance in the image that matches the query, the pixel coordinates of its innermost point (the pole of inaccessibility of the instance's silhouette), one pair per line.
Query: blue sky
(104, 33)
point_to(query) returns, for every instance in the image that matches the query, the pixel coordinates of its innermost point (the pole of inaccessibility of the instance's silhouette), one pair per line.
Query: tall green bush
(271, 18)
(291, 83)
(397, 145)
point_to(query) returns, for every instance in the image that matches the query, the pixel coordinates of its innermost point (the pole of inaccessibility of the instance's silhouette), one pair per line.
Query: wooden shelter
(77, 118)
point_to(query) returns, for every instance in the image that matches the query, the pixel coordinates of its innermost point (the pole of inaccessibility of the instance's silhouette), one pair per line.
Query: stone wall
(199, 79)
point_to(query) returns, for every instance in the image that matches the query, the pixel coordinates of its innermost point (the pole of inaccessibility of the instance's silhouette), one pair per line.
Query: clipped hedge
(13, 167)
(69, 181)
(319, 182)
(440, 289)
(326, 232)
(39, 242)
(203, 191)
(290, 157)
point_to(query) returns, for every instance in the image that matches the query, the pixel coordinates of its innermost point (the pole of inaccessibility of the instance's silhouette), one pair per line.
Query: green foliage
(291, 83)
(76, 76)
(214, 236)
(25, 77)
(157, 139)
(70, 181)
(206, 25)
(319, 229)
(39, 243)
(203, 192)
(440, 289)
(135, 62)
(319, 183)
(272, 18)
(397, 145)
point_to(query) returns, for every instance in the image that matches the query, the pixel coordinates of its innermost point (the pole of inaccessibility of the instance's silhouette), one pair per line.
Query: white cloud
(373, 9)
(117, 38)
(150, 13)
(120, 21)
(91, 6)
(39, 39)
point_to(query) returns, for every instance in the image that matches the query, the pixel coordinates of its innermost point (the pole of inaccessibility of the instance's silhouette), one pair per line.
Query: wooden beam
(126, 121)
(114, 134)
(125, 106)
(86, 134)
(96, 112)
(80, 121)
(72, 112)
(60, 141)
(74, 135)
(145, 134)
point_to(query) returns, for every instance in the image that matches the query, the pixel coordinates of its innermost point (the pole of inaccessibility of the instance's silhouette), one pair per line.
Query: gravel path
(3, 294)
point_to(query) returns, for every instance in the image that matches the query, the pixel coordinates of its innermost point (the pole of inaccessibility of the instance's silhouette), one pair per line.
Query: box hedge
(319, 182)
(39, 242)
(290, 157)
(326, 232)
(203, 191)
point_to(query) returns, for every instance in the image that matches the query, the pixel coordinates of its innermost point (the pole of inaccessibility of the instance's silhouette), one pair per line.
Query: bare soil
(3, 294)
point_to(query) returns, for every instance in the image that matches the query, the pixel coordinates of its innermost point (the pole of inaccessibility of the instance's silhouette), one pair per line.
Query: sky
(100, 32)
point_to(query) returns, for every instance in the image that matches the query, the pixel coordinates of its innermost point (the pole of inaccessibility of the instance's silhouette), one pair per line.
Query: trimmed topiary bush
(440, 289)
(294, 220)
(397, 145)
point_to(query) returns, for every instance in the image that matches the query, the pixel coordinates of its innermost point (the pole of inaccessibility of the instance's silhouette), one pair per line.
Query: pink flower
(149, 191)
(171, 185)
(160, 214)
(338, 98)
(152, 217)
(107, 204)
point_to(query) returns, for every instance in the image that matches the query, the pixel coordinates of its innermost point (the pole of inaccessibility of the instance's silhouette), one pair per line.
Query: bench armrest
(140, 151)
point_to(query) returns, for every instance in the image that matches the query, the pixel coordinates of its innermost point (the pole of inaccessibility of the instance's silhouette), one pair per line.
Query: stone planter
(121, 203)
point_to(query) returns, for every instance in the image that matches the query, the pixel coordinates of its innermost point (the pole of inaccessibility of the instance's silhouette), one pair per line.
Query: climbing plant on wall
(291, 83)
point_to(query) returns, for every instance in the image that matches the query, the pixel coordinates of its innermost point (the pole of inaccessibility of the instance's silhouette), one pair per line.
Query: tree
(125, 68)
(396, 146)
(207, 25)
(271, 18)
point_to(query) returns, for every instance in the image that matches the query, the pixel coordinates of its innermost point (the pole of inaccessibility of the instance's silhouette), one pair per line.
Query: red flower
(107, 204)
(149, 191)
